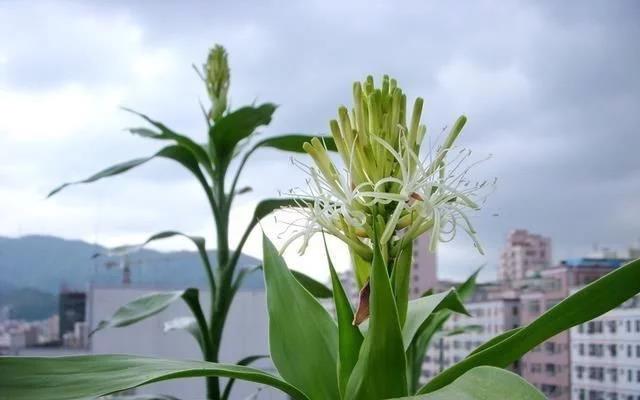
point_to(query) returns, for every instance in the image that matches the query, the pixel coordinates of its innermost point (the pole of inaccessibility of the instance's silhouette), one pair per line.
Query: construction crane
(124, 262)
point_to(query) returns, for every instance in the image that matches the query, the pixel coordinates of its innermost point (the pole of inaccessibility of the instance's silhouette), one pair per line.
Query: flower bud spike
(385, 85)
(368, 86)
(415, 120)
(339, 140)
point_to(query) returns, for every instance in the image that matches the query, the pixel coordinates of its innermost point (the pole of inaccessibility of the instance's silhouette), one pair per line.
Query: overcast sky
(551, 89)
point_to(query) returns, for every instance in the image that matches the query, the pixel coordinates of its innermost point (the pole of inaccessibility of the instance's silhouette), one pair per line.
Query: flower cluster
(384, 188)
(217, 79)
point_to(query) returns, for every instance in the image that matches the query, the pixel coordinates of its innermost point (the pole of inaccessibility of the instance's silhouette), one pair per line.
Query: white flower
(384, 186)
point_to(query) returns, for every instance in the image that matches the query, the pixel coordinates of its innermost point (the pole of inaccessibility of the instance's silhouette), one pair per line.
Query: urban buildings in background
(524, 255)
(66, 330)
(587, 363)
(598, 360)
(605, 355)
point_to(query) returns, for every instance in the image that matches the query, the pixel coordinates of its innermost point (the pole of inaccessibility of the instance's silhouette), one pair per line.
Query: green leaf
(401, 282)
(81, 377)
(303, 338)
(145, 397)
(418, 348)
(590, 302)
(176, 153)
(361, 268)
(189, 324)
(264, 208)
(245, 361)
(167, 134)
(294, 142)
(485, 383)
(494, 340)
(349, 336)
(380, 372)
(141, 308)
(460, 330)
(421, 309)
(198, 241)
(318, 289)
(230, 129)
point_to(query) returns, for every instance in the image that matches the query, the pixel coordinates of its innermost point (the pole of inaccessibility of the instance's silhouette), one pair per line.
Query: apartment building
(489, 317)
(605, 355)
(548, 366)
(524, 255)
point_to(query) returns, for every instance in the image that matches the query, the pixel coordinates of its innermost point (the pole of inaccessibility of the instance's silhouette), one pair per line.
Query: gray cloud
(551, 90)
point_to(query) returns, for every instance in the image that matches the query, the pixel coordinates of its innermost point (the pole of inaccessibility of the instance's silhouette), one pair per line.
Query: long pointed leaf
(590, 302)
(71, 378)
(401, 282)
(494, 340)
(141, 308)
(198, 241)
(188, 324)
(380, 372)
(485, 383)
(227, 131)
(421, 309)
(245, 361)
(418, 347)
(317, 289)
(264, 208)
(167, 134)
(176, 153)
(303, 338)
(294, 142)
(349, 336)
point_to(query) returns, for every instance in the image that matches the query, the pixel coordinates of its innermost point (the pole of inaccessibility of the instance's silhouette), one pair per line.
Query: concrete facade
(524, 255)
(246, 333)
(548, 366)
(489, 318)
(424, 274)
(605, 355)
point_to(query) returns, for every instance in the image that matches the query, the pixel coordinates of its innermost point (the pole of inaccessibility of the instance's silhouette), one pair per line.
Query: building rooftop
(586, 262)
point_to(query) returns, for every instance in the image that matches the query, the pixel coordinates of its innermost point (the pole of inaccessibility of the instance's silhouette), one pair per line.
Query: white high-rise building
(605, 355)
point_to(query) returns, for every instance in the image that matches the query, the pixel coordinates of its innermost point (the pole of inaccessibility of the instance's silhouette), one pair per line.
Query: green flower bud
(217, 79)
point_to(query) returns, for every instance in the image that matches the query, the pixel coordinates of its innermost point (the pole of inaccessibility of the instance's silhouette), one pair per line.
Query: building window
(581, 349)
(629, 351)
(628, 325)
(638, 325)
(550, 347)
(612, 326)
(594, 327)
(552, 302)
(533, 306)
(550, 369)
(596, 350)
(596, 373)
(613, 350)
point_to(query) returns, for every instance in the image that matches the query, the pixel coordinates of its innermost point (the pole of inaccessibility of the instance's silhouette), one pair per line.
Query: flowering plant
(385, 197)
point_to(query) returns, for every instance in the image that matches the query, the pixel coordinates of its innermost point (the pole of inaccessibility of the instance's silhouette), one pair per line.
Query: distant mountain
(28, 303)
(49, 263)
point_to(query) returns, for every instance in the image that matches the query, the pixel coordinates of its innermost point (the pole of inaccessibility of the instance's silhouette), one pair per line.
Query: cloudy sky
(551, 89)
